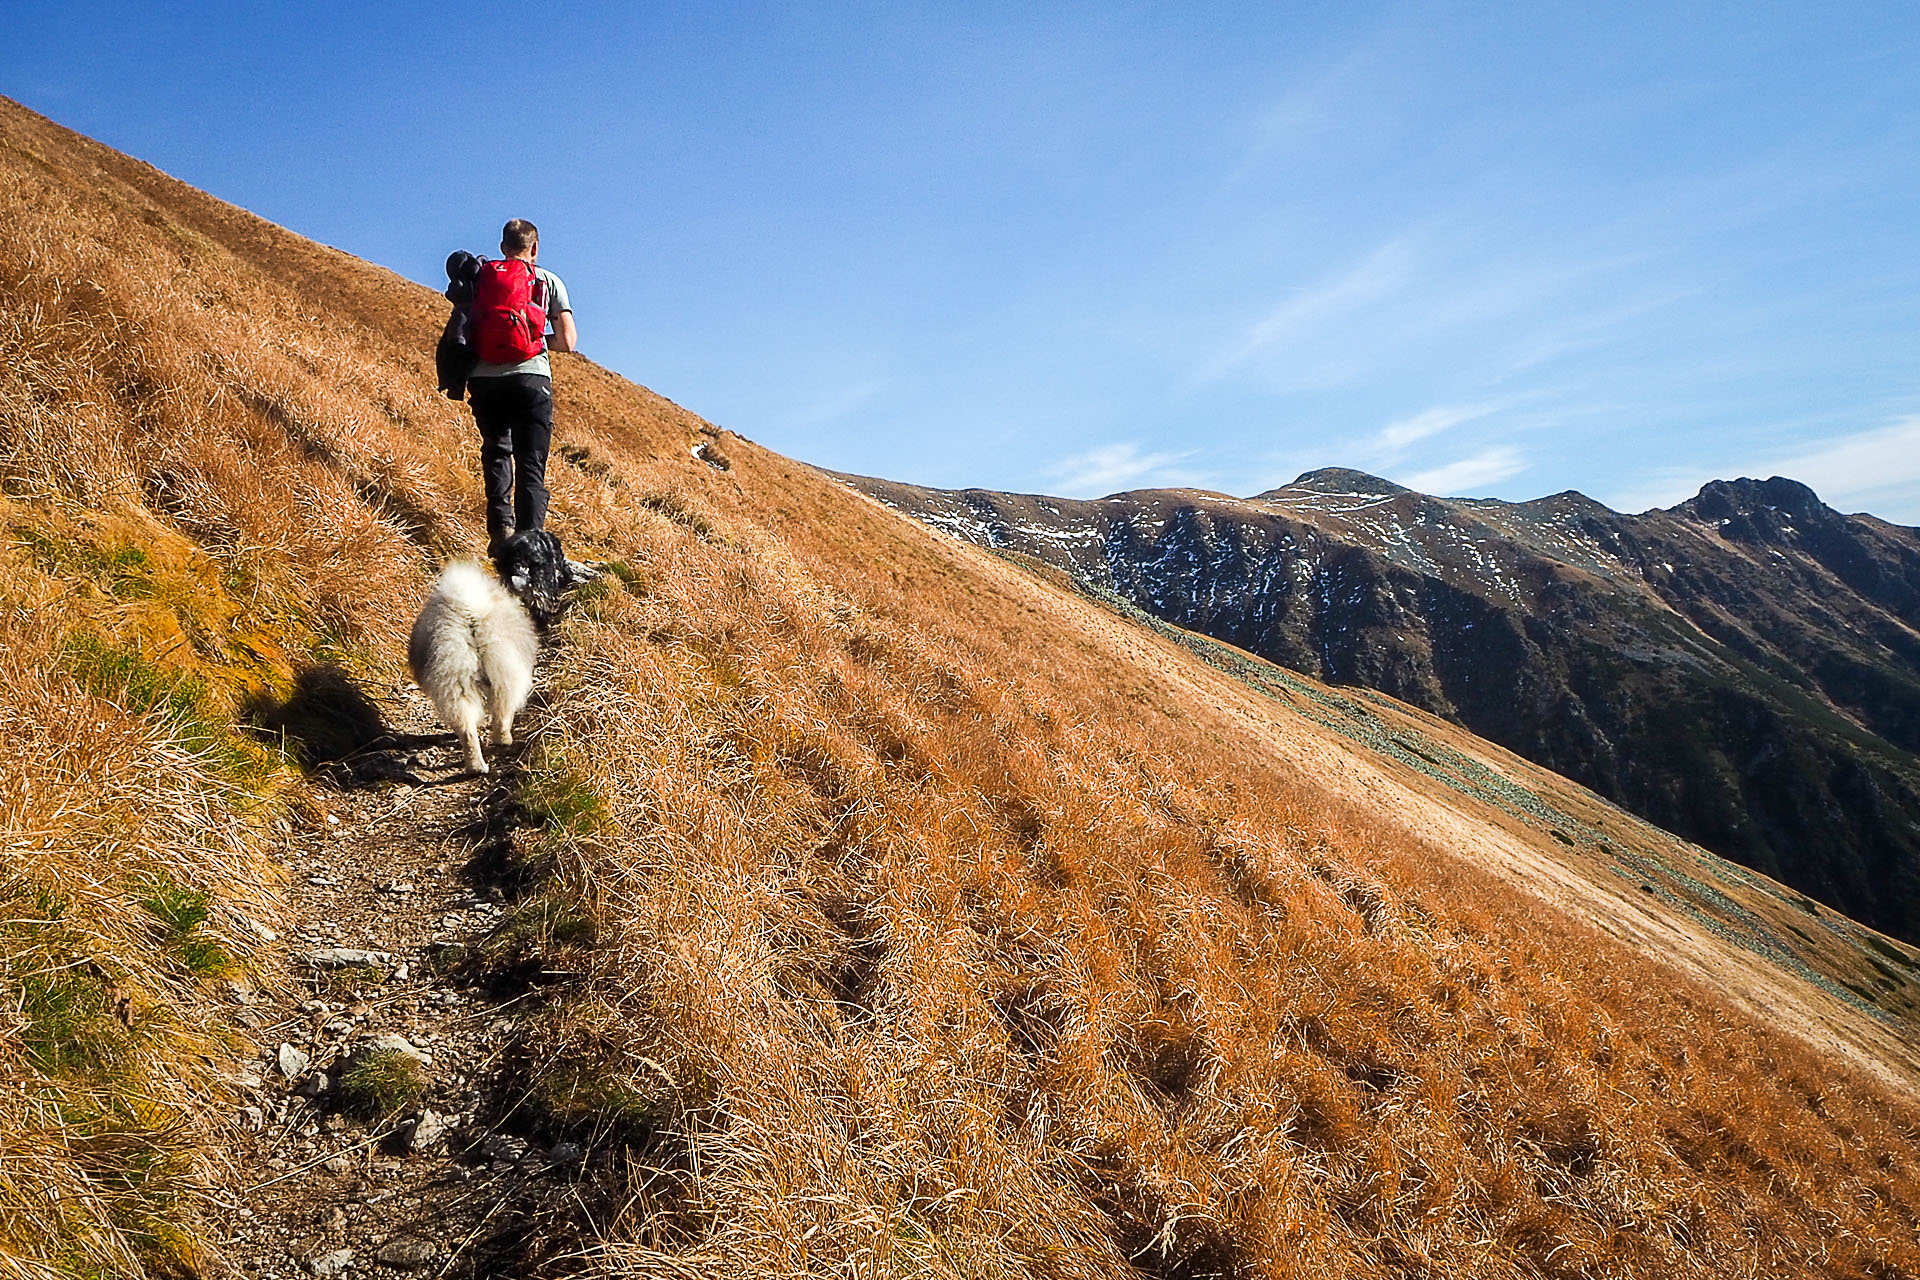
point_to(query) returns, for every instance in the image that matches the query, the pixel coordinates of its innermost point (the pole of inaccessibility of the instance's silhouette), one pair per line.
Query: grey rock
(335, 1263)
(347, 957)
(394, 1042)
(504, 1147)
(408, 1252)
(429, 1131)
(252, 1119)
(312, 1085)
(339, 1166)
(293, 1062)
(567, 1153)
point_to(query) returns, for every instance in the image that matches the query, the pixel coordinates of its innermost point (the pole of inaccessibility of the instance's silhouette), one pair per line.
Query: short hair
(518, 236)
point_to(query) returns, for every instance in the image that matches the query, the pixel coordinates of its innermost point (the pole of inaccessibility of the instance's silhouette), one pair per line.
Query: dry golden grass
(922, 928)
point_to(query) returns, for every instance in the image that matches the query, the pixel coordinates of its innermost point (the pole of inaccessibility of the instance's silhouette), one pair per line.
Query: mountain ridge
(1669, 660)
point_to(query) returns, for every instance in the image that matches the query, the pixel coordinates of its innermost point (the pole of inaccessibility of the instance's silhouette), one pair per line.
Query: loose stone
(347, 957)
(408, 1252)
(293, 1062)
(331, 1264)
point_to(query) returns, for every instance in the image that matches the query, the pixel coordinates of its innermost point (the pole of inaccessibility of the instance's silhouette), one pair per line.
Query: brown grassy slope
(940, 923)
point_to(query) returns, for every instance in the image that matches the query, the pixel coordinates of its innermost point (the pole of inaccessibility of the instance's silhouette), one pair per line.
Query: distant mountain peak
(1340, 480)
(1778, 493)
(1749, 510)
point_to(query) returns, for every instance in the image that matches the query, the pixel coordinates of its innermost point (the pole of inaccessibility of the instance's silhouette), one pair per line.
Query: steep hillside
(1743, 670)
(872, 904)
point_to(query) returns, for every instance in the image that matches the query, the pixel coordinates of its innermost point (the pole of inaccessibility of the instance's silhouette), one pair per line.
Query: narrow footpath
(373, 1140)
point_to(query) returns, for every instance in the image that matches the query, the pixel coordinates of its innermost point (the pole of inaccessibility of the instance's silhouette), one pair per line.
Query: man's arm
(565, 336)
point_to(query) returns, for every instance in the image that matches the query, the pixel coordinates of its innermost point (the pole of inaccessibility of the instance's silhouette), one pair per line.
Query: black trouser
(515, 415)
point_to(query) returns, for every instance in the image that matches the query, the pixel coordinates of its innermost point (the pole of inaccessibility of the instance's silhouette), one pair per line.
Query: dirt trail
(421, 1181)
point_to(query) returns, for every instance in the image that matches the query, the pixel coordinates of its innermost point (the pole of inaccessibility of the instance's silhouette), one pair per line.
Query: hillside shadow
(333, 730)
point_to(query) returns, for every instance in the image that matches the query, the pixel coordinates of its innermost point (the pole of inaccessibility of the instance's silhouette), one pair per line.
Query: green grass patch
(1892, 952)
(126, 571)
(591, 597)
(632, 580)
(71, 1029)
(181, 912)
(584, 1097)
(381, 1084)
(550, 919)
(554, 797)
(124, 676)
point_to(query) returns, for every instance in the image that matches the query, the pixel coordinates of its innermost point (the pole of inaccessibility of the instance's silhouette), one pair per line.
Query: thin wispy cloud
(1489, 466)
(1857, 469)
(1400, 433)
(1339, 104)
(1309, 313)
(1109, 468)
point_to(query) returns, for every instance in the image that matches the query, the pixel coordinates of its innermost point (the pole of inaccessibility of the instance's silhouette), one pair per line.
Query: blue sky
(1495, 250)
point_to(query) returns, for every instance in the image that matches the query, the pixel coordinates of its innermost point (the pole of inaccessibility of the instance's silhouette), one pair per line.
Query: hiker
(511, 386)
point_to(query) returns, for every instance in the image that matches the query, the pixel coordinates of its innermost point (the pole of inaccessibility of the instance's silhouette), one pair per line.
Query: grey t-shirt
(556, 303)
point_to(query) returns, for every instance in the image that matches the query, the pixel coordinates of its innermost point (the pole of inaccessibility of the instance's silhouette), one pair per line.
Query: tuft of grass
(122, 674)
(674, 506)
(71, 1028)
(186, 702)
(181, 912)
(551, 918)
(590, 1099)
(632, 580)
(380, 1084)
(123, 570)
(554, 797)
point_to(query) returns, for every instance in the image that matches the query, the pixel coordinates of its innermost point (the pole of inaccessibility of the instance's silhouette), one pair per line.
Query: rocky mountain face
(1742, 669)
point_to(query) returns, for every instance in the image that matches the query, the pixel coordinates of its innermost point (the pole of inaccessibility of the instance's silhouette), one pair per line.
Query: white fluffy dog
(472, 651)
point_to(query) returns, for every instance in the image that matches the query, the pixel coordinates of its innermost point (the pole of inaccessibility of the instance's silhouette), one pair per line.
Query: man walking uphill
(512, 385)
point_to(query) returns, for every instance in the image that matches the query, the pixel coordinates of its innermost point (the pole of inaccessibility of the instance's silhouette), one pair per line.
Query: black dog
(533, 567)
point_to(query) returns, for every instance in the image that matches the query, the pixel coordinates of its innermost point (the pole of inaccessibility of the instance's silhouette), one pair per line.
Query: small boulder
(503, 1148)
(347, 957)
(408, 1253)
(335, 1263)
(293, 1062)
(429, 1133)
(394, 1042)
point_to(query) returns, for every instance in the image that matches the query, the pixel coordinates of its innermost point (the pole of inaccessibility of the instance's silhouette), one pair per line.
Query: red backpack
(508, 325)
